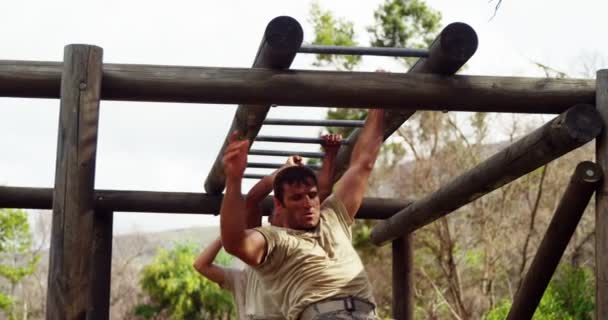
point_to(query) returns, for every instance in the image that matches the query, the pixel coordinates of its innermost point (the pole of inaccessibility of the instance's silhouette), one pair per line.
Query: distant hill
(145, 245)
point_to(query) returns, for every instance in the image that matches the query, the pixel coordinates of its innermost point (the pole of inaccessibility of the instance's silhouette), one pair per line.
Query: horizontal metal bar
(315, 123)
(291, 139)
(281, 153)
(264, 165)
(367, 51)
(254, 176)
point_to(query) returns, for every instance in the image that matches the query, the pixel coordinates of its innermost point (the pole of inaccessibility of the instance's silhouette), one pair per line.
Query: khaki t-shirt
(304, 267)
(252, 302)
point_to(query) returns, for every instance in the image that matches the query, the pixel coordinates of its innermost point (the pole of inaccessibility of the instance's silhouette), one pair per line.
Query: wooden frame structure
(81, 240)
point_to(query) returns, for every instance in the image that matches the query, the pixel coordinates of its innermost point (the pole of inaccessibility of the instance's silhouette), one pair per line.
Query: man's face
(301, 207)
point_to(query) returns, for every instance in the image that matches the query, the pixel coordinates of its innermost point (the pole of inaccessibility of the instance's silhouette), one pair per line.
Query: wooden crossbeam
(168, 202)
(570, 130)
(308, 88)
(452, 48)
(281, 41)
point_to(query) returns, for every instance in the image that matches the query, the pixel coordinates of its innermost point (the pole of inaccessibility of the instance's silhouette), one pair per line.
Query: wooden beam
(73, 205)
(452, 48)
(169, 202)
(309, 88)
(573, 128)
(281, 41)
(403, 278)
(101, 274)
(601, 202)
(585, 179)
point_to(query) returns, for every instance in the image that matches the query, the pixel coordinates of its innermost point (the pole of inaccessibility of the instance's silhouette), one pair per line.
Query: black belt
(337, 304)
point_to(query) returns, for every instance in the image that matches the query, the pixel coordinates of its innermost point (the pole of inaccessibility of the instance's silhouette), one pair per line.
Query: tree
(570, 295)
(16, 262)
(175, 288)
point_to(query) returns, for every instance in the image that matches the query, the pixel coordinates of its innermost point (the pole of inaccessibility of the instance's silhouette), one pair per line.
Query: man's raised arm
(351, 187)
(246, 244)
(331, 144)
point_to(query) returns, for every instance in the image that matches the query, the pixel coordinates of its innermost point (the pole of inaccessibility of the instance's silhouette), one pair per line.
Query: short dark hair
(292, 175)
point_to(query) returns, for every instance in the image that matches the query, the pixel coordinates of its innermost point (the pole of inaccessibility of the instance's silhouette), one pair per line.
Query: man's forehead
(301, 186)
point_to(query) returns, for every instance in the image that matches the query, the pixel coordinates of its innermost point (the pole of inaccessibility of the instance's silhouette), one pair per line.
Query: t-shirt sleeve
(333, 205)
(274, 249)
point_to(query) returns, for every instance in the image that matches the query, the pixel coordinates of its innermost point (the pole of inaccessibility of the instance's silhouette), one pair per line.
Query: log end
(582, 122)
(215, 183)
(588, 172)
(458, 42)
(284, 33)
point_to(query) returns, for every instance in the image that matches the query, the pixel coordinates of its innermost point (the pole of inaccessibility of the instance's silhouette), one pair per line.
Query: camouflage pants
(345, 315)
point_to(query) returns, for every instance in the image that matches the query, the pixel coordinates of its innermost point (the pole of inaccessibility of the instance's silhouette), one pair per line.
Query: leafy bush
(176, 288)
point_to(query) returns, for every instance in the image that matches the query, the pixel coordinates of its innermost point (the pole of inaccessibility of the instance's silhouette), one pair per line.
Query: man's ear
(277, 203)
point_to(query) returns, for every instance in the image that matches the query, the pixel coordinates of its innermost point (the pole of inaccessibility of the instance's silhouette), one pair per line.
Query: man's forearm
(254, 197)
(326, 174)
(233, 215)
(208, 255)
(370, 140)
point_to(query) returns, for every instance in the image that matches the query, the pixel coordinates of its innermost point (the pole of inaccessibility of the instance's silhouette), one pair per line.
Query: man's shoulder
(333, 209)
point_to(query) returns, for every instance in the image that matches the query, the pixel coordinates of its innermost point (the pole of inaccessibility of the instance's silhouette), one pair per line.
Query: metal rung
(254, 176)
(368, 51)
(291, 139)
(278, 153)
(315, 123)
(264, 165)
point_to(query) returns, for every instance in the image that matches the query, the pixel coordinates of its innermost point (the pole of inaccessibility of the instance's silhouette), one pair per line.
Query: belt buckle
(349, 304)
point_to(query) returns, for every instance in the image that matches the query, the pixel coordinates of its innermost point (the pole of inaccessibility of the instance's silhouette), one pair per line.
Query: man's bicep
(350, 190)
(254, 247)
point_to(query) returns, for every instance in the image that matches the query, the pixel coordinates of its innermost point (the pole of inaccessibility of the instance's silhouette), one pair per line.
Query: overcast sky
(171, 147)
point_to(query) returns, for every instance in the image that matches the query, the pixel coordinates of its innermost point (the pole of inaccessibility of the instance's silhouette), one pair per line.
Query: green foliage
(332, 31)
(404, 23)
(5, 302)
(16, 260)
(176, 288)
(569, 296)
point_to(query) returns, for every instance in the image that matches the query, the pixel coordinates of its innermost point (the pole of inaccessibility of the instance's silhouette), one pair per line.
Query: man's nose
(309, 201)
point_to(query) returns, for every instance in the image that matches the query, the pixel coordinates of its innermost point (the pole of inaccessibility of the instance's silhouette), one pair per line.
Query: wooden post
(601, 201)
(73, 204)
(403, 278)
(169, 202)
(101, 273)
(586, 177)
(573, 128)
(281, 41)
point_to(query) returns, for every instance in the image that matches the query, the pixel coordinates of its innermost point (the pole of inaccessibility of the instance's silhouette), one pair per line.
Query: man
(251, 300)
(310, 267)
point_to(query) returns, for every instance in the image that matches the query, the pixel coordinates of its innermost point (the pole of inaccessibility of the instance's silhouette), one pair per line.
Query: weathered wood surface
(585, 179)
(282, 39)
(101, 274)
(573, 128)
(168, 202)
(70, 266)
(601, 203)
(452, 48)
(403, 278)
(309, 88)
